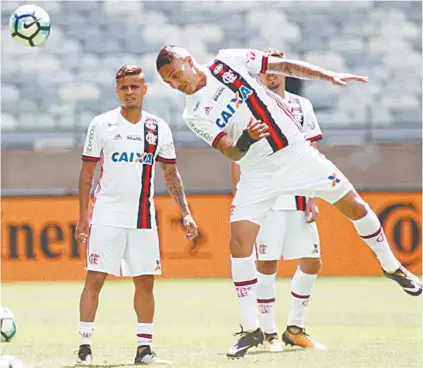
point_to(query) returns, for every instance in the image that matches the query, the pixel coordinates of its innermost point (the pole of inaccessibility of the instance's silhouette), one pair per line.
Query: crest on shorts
(262, 249)
(94, 258)
(334, 179)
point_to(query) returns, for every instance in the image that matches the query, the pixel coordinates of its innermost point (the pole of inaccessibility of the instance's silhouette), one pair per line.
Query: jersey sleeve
(311, 126)
(206, 130)
(93, 142)
(167, 152)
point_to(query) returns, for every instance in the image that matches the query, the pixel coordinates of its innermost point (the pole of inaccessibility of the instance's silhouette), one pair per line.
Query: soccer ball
(30, 25)
(8, 324)
(8, 361)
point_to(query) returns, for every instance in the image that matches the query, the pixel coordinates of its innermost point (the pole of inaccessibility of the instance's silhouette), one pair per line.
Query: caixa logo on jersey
(232, 106)
(137, 157)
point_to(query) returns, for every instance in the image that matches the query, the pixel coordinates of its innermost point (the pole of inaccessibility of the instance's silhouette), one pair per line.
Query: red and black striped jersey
(127, 153)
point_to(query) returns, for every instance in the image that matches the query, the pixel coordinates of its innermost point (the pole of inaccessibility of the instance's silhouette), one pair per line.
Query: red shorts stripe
(301, 203)
(264, 301)
(372, 235)
(90, 158)
(245, 283)
(299, 296)
(217, 139)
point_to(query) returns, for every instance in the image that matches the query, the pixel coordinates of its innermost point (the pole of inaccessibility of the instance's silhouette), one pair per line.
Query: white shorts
(135, 250)
(298, 169)
(286, 234)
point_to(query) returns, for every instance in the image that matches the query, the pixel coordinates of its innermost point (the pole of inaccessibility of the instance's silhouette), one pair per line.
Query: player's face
(130, 91)
(181, 75)
(273, 81)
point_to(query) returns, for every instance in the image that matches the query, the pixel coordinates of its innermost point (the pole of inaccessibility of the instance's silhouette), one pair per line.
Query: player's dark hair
(129, 70)
(166, 56)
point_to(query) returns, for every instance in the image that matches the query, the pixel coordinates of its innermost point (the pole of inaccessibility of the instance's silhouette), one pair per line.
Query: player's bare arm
(173, 182)
(303, 70)
(85, 183)
(255, 131)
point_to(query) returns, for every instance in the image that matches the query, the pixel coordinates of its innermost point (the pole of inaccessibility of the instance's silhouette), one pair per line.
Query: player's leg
(141, 261)
(268, 249)
(301, 242)
(104, 252)
(370, 230)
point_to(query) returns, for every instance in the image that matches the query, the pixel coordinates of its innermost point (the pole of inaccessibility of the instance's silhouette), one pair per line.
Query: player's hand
(312, 211)
(191, 227)
(257, 130)
(341, 79)
(82, 230)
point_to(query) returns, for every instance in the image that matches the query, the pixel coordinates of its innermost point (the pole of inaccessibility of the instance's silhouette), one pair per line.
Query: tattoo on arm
(300, 70)
(173, 182)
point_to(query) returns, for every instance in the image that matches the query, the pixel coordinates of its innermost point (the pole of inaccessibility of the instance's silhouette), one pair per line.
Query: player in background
(289, 230)
(122, 231)
(228, 108)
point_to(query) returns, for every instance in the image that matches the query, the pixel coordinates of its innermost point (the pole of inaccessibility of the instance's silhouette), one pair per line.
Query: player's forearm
(173, 182)
(233, 153)
(85, 184)
(300, 70)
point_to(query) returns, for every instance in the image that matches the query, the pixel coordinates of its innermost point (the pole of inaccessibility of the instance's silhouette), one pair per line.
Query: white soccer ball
(30, 25)
(8, 361)
(8, 324)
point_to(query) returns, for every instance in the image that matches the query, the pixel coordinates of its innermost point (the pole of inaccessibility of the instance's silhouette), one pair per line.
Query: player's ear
(188, 59)
(145, 89)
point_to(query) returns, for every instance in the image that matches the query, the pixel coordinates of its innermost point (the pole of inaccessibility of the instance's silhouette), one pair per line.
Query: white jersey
(304, 113)
(233, 95)
(127, 153)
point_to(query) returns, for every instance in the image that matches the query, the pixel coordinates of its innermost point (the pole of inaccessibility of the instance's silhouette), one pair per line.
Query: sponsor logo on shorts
(94, 258)
(334, 179)
(141, 157)
(158, 266)
(315, 249)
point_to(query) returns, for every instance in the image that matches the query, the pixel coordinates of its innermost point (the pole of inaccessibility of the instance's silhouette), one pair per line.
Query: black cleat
(410, 283)
(145, 357)
(85, 356)
(247, 340)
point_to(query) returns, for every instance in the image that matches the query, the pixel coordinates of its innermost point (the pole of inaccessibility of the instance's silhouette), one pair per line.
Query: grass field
(365, 322)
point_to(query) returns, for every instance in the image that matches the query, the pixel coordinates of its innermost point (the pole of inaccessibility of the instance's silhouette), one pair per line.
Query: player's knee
(311, 266)
(144, 284)
(267, 267)
(94, 281)
(359, 209)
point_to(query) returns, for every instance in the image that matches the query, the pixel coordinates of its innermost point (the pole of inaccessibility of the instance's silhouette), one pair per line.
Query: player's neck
(281, 92)
(202, 81)
(131, 115)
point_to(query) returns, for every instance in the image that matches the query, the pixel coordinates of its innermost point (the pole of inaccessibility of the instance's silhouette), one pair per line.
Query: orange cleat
(296, 336)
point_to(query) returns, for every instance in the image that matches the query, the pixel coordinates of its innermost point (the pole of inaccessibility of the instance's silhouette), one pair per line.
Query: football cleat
(296, 336)
(85, 356)
(145, 356)
(271, 343)
(410, 283)
(247, 340)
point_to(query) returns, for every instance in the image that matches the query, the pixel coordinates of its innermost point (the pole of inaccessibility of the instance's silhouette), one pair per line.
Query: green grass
(365, 322)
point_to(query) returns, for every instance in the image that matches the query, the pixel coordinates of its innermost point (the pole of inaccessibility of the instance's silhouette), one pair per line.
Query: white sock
(370, 230)
(85, 330)
(245, 281)
(144, 333)
(266, 294)
(302, 284)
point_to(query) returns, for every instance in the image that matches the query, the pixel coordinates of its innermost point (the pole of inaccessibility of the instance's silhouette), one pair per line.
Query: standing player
(232, 111)
(289, 230)
(122, 231)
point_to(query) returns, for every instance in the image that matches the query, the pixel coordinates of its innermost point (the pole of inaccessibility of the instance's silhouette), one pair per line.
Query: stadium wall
(371, 166)
(38, 243)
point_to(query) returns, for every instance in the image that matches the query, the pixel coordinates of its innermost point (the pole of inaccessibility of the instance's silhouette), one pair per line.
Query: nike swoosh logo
(415, 288)
(31, 24)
